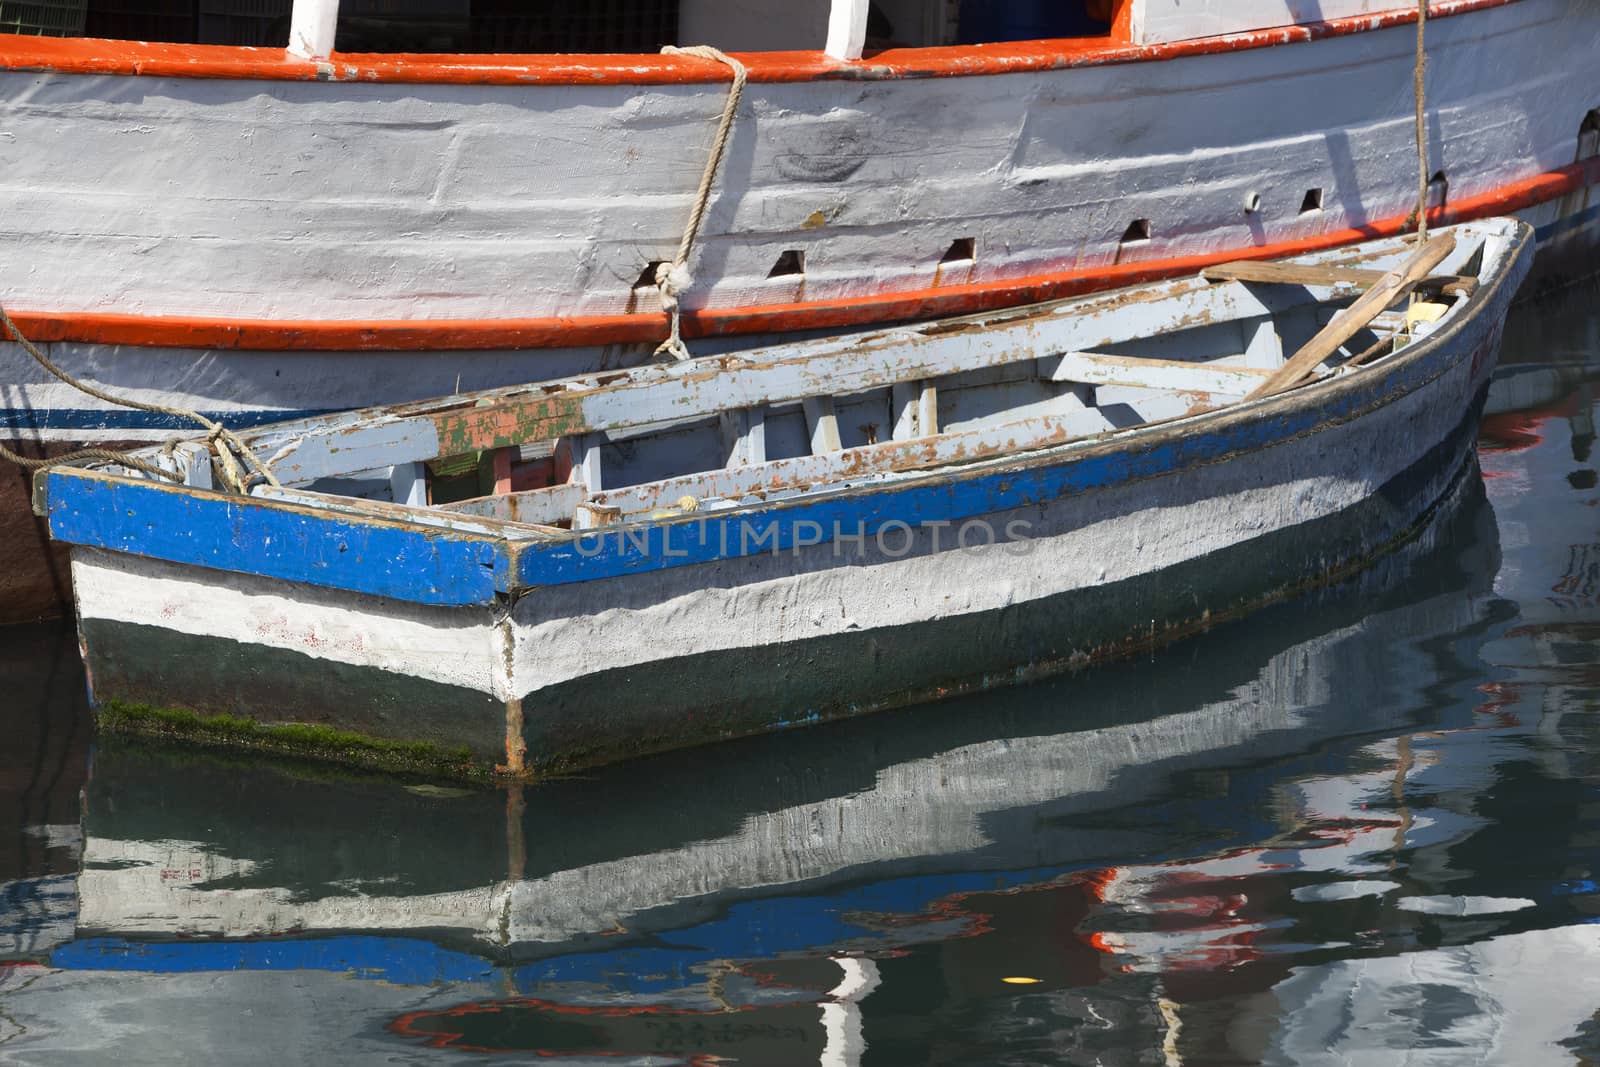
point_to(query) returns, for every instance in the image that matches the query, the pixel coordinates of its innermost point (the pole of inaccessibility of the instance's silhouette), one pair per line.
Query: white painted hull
(336, 200)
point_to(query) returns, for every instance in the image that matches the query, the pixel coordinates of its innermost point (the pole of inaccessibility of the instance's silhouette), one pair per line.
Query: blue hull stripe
(1565, 225)
(421, 564)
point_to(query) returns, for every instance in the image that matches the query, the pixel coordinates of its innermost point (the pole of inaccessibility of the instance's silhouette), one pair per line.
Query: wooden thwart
(1250, 270)
(1374, 302)
(1095, 368)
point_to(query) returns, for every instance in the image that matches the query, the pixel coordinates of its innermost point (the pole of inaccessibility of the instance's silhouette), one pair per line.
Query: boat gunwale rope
(1420, 90)
(673, 277)
(219, 438)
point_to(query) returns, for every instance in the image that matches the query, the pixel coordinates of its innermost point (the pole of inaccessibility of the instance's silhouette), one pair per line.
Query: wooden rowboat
(572, 571)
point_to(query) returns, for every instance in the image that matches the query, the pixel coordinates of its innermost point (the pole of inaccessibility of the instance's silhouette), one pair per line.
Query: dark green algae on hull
(241, 696)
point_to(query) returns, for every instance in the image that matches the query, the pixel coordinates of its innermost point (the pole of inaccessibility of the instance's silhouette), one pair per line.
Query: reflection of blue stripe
(128, 419)
(402, 960)
(1571, 222)
(751, 929)
(769, 927)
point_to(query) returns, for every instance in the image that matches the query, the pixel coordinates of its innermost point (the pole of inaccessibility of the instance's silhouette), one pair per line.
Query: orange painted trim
(81, 55)
(408, 335)
(336, 335)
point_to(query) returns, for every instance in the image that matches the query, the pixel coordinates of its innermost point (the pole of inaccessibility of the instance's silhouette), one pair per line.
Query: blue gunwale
(391, 557)
(381, 557)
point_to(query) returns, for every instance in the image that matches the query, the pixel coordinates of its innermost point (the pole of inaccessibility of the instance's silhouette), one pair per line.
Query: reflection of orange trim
(78, 55)
(557, 331)
(1518, 431)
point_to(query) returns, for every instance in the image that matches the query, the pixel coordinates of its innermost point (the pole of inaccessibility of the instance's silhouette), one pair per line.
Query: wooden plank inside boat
(1274, 273)
(1374, 302)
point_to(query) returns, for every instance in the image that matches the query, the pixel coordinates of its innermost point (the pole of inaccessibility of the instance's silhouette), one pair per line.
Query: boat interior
(819, 416)
(560, 26)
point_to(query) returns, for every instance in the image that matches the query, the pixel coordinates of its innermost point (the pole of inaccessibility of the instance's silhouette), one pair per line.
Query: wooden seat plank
(1253, 270)
(1375, 301)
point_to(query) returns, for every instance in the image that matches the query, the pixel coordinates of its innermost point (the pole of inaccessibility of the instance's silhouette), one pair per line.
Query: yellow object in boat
(1425, 311)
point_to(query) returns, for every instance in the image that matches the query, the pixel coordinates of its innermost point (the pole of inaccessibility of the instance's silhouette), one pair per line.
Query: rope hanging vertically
(1422, 128)
(222, 440)
(673, 278)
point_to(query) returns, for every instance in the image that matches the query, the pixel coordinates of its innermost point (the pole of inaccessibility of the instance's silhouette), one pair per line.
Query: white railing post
(847, 28)
(311, 28)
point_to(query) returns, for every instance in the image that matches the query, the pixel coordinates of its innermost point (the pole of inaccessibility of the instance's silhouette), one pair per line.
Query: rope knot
(673, 279)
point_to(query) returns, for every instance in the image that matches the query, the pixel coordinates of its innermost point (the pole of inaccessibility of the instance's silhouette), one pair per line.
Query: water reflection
(1362, 825)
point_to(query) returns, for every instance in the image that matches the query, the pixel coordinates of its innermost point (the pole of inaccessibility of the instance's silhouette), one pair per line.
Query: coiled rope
(223, 441)
(673, 278)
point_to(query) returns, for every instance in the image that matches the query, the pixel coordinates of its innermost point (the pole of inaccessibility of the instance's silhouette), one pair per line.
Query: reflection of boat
(1063, 483)
(47, 733)
(1490, 1001)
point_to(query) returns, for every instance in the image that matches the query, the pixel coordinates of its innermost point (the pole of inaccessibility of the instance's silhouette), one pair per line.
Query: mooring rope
(221, 439)
(673, 278)
(1420, 88)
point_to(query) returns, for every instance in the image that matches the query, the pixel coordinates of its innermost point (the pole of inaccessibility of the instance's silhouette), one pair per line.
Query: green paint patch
(294, 740)
(512, 422)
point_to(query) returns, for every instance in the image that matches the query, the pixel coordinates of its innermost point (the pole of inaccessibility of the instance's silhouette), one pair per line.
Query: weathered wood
(1271, 272)
(928, 410)
(822, 424)
(744, 435)
(194, 462)
(903, 402)
(1264, 345)
(796, 474)
(1096, 369)
(408, 484)
(434, 517)
(916, 410)
(545, 506)
(753, 445)
(363, 444)
(791, 372)
(1384, 293)
(502, 470)
(322, 447)
(585, 453)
